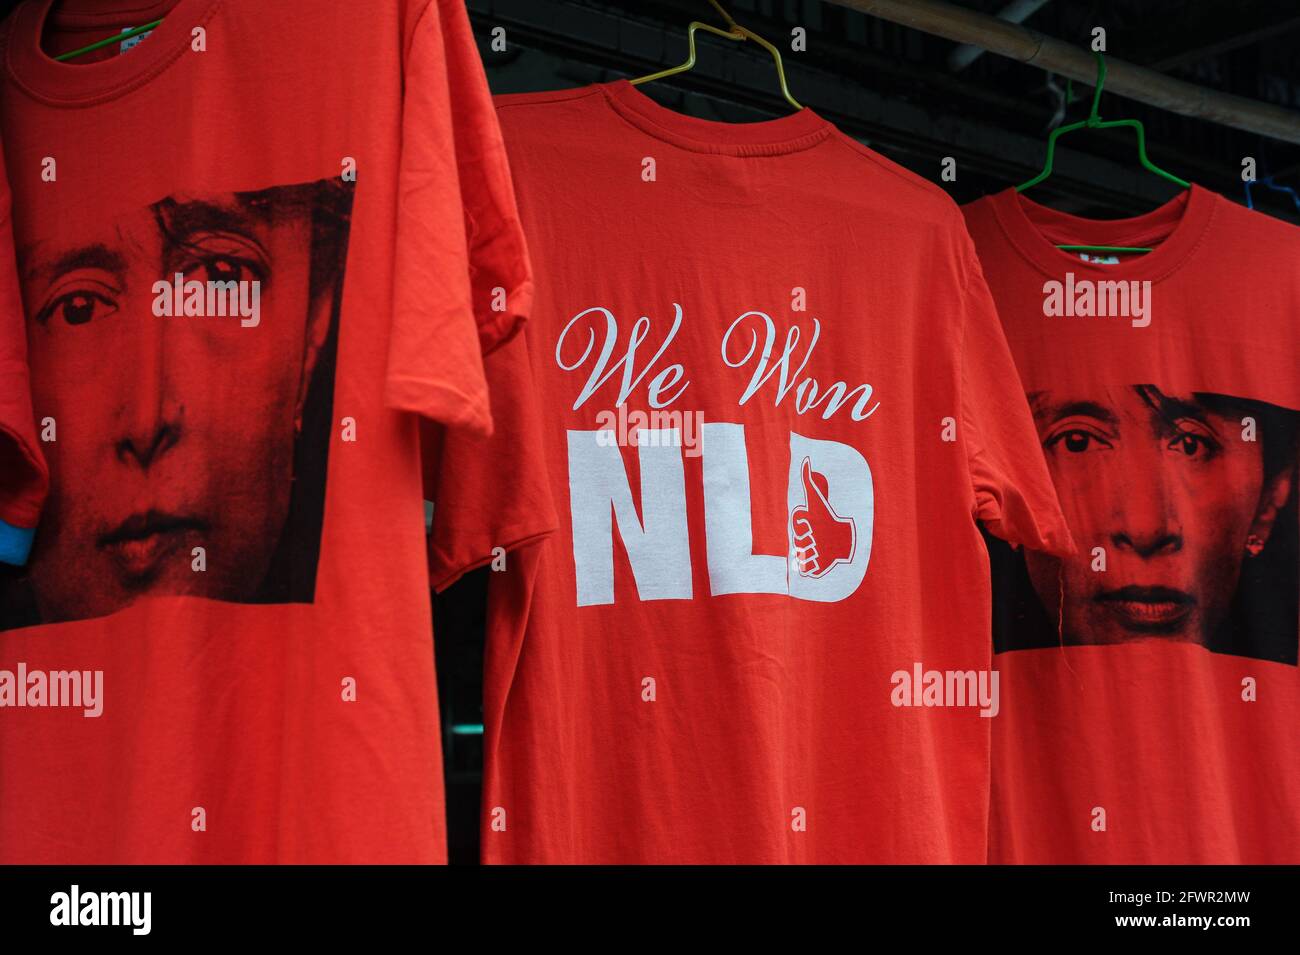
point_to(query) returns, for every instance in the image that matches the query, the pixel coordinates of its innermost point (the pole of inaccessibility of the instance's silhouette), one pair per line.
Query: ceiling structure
(897, 89)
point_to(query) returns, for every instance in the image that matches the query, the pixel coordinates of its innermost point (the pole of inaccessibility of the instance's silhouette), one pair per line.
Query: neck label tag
(133, 42)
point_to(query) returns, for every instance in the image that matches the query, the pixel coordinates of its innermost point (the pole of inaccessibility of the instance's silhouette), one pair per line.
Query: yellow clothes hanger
(734, 32)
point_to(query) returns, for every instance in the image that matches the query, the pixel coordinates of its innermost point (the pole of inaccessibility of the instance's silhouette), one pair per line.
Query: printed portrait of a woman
(1183, 507)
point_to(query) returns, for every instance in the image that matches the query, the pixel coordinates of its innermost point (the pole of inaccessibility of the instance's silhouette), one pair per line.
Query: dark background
(892, 88)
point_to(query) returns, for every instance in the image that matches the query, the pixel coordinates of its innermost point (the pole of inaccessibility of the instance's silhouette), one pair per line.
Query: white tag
(132, 42)
(1107, 259)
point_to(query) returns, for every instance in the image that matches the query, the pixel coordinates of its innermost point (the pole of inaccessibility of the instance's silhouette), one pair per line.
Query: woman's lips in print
(141, 543)
(1151, 609)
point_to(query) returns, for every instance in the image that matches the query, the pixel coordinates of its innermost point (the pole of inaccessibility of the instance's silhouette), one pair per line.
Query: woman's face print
(171, 432)
(1171, 492)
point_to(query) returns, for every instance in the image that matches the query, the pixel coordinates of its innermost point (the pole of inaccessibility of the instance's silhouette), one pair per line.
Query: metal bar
(1226, 44)
(1033, 48)
(1018, 11)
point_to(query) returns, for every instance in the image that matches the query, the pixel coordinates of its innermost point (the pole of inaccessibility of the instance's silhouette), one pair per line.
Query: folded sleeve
(491, 493)
(500, 272)
(24, 480)
(461, 280)
(1013, 492)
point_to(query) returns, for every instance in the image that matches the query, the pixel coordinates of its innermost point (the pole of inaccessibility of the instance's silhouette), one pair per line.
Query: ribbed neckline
(83, 84)
(771, 137)
(1172, 231)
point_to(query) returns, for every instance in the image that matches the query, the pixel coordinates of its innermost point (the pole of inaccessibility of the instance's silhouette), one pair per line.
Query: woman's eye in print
(79, 304)
(1192, 442)
(223, 257)
(222, 268)
(1075, 440)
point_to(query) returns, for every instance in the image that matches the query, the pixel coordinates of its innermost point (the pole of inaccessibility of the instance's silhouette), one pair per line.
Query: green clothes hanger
(125, 35)
(1094, 121)
(736, 32)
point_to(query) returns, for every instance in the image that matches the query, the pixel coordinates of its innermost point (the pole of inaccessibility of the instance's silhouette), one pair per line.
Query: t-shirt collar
(785, 134)
(81, 84)
(1173, 232)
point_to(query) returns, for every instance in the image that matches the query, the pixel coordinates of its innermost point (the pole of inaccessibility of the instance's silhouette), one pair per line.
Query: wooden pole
(1077, 62)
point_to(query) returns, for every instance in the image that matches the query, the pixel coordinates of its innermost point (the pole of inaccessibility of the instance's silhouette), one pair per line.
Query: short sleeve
(500, 272)
(491, 494)
(461, 282)
(1013, 492)
(24, 480)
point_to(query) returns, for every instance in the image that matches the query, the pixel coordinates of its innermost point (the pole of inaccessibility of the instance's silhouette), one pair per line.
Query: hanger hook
(1095, 117)
(735, 27)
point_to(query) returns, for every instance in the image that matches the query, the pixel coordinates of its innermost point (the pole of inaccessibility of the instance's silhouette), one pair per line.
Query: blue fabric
(15, 543)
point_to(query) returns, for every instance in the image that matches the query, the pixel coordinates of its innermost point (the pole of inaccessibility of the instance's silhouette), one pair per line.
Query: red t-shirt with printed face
(1151, 701)
(246, 278)
(774, 397)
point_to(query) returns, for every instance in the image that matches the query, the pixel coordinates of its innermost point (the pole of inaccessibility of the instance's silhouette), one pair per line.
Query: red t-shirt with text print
(772, 398)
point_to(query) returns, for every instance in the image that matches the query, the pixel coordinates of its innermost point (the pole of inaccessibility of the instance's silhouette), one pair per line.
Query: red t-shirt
(232, 552)
(699, 666)
(1151, 697)
(23, 476)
